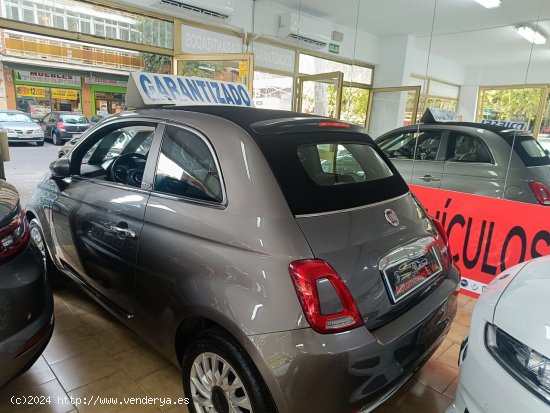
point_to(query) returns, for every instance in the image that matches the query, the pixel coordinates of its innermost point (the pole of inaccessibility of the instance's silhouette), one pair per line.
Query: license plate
(405, 277)
(77, 135)
(25, 136)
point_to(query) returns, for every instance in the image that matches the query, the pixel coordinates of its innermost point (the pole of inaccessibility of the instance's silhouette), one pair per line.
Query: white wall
(438, 68)
(467, 103)
(535, 73)
(366, 51)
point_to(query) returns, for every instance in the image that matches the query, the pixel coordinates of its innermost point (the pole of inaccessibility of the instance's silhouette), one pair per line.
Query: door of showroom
(392, 107)
(320, 94)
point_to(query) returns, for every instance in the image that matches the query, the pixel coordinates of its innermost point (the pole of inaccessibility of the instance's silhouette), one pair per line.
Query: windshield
(74, 119)
(14, 117)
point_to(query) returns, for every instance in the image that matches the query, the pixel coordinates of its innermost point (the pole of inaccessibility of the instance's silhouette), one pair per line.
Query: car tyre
(41, 143)
(56, 139)
(56, 278)
(222, 355)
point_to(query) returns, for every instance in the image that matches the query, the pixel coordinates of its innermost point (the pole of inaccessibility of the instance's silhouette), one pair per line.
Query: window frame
(451, 145)
(182, 198)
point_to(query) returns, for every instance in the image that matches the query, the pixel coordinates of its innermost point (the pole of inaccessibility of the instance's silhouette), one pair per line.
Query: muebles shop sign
(44, 77)
(487, 235)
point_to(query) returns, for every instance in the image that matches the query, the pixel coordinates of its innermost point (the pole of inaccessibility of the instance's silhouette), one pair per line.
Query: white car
(544, 141)
(505, 362)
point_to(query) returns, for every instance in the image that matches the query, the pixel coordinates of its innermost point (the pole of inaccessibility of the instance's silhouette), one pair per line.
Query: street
(27, 165)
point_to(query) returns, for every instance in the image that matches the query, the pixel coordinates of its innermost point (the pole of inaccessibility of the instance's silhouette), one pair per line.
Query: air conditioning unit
(305, 29)
(220, 10)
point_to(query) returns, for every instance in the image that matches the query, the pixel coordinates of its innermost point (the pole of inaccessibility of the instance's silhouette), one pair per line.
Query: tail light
(444, 245)
(305, 274)
(60, 126)
(14, 237)
(342, 125)
(541, 192)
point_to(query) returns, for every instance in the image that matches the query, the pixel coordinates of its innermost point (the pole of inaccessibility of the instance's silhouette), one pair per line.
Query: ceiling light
(530, 34)
(489, 4)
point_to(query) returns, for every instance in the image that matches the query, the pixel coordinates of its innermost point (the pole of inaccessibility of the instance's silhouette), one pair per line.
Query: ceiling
(414, 17)
(463, 30)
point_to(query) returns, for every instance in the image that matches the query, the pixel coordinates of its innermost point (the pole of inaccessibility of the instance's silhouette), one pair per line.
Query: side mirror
(547, 152)
(61, 168)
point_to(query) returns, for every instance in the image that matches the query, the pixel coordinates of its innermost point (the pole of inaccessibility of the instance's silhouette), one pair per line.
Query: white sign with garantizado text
(150, 89)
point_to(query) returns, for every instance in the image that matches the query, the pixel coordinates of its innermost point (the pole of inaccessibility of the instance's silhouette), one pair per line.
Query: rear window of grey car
(333, 163)
(329, 171)
(73, 119)
(528, 149)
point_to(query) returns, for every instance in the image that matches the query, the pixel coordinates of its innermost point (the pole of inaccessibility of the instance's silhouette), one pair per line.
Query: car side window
(117, 153)
(403, 146)
(468, 148)
(186, 167)
(400, 146)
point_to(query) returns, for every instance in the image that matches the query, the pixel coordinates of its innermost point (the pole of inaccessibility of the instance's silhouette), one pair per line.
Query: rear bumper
(68, 135)
(23, 286)
(33, 139)
(355, 370)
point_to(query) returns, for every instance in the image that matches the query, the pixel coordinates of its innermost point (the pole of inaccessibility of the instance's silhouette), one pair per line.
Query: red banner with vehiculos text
(487, 235)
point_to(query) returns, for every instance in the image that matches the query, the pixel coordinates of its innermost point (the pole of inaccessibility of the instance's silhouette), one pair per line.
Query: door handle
(123, 231)
(429, 178)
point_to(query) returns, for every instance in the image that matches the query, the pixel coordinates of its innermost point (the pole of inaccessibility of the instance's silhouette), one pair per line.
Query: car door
(180, 226)
(418, 156)
(97, 216)
(470, 167)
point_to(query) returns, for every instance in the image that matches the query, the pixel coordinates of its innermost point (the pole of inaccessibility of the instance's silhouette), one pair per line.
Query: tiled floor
(91, 354)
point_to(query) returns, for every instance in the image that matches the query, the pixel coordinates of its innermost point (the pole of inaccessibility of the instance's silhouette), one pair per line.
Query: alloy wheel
(216, 387)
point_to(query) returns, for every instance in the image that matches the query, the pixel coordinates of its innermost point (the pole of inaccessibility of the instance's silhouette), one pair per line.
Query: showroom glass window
(355, 91)
(435, 94)
(511, 105)
(272, 91)
(186, 167)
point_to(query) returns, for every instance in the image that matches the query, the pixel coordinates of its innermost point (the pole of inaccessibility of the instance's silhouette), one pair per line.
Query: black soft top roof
(257, 121)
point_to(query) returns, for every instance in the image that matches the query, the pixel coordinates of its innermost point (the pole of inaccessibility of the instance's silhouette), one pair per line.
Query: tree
(354, 103)
(156, 63)
(155, 32)
(519, 105)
